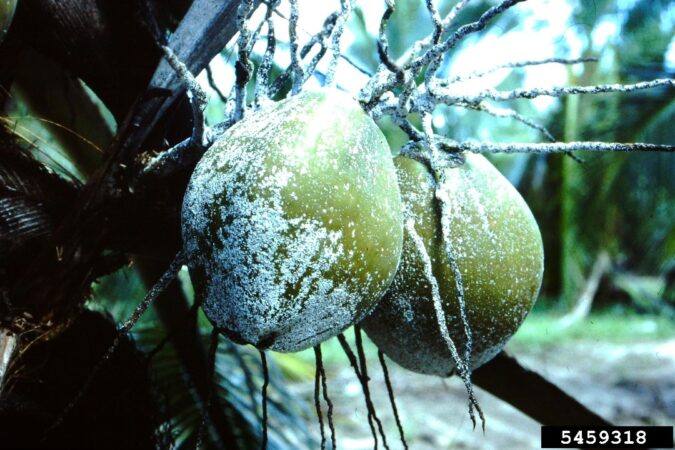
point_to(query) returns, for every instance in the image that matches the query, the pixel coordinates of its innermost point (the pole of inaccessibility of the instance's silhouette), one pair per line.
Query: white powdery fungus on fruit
(497, 247)
(292, 223)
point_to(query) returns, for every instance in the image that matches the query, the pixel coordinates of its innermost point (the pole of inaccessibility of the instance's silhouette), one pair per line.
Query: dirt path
(628, 384)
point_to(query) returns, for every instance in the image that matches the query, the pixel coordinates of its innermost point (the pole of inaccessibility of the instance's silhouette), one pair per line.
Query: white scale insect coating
(498, 249)
(292, 222)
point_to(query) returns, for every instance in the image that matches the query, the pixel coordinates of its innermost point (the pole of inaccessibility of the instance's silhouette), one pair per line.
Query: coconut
(498, 249)
(292, 222)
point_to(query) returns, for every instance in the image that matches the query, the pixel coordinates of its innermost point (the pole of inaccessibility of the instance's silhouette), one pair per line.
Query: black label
(606, 437)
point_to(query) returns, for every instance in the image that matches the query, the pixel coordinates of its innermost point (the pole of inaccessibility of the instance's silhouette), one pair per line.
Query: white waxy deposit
(292, 222)
(497, 246)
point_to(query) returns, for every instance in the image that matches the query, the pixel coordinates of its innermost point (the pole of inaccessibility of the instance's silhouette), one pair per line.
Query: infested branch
(515, 65)
(436, 52)
(317, 394)
(462, 368)
(346, 7)
(262, 88)
(383, 42)
(326, 397)
(265, 386)
(377, 96)
(442, 95)
(509, 113)
(364, 375)
(439, 50)
(295, 67)
(190, 150)
(320, 39)
(555, 147)
(442, 195)
(243, 66)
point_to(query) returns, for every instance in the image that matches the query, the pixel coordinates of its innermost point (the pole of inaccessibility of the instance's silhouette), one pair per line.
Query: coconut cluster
(293, 223)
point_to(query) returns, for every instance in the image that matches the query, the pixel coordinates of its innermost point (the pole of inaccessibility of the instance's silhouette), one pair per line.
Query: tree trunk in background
(532, 394)
(582, 306)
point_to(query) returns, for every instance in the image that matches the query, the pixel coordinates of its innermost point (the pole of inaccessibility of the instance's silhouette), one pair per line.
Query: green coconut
(7, 8)
(292, 222)
(498, 248)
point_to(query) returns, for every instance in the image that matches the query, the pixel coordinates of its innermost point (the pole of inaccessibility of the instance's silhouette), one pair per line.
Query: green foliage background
(622, 204)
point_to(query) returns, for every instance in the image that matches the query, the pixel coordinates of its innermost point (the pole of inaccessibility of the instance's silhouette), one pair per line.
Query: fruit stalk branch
(205, 29)
(509, 113)
(343, 16)
(437, 51)
(201, 135)
(378, 96)
(417, 47)
(448, 97)
(392, 398)
(362, 380)
(317, 395)
(555, 147)
(295, 66)
(243, 66)
(370, 94)
(516, 65)
(463, 369)
(423, 101)
(262, 88)
(189, 150)
(320, 39)
(203, 33)
(443, 195)
(324, 389)
(383, 42)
